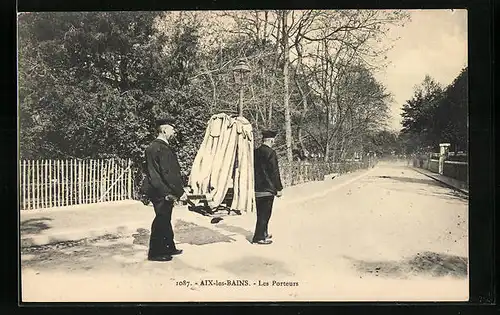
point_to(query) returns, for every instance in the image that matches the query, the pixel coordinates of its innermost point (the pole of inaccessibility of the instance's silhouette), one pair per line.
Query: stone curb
(452, 183)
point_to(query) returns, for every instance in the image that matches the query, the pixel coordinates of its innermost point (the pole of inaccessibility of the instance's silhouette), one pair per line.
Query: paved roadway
(389, 233)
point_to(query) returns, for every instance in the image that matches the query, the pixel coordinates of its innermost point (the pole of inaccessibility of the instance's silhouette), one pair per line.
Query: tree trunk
(342, 148)
(327, 144)
(301, 141)
(286, 59)
(257, 26)
(326, 101)
(270, 115)
(278, 42)
(264, 40)
(334, 150)
(302, 94)
(327, 151)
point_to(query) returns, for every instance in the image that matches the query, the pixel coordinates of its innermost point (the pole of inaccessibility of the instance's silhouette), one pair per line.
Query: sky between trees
(433, 43)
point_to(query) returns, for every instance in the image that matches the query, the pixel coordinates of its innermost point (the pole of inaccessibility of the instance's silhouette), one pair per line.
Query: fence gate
(58, 183)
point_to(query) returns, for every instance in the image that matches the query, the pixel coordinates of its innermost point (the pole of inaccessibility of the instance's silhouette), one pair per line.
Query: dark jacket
(163, 172)
(267, 173)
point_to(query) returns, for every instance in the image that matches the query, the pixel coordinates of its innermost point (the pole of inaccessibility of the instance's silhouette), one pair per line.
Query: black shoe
(216, 220)
(263, 242)
(269, 236)
(160, 258)
(175, 252)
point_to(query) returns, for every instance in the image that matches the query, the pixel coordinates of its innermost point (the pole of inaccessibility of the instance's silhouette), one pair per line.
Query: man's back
(267, 176)
(163, 176)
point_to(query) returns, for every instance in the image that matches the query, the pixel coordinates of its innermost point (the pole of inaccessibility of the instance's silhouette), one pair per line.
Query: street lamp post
(240, 71)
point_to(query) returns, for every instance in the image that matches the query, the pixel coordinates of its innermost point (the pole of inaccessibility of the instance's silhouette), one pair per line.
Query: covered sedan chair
(222, 175)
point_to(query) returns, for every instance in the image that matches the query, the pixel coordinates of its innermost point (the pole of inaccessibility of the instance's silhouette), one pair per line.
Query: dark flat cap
(269, 134)
(164, 121)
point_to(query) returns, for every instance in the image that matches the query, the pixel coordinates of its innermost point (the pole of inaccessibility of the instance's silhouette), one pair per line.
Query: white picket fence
(58, 183)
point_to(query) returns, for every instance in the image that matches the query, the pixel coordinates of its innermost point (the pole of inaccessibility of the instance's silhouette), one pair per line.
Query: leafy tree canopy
(435, 115)
(92, 84)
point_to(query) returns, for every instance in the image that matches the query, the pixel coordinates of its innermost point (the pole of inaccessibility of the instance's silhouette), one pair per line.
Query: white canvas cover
(225, 160)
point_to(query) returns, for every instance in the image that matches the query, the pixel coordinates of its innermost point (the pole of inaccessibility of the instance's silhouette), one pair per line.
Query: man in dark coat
(267, 185)
(163, 185)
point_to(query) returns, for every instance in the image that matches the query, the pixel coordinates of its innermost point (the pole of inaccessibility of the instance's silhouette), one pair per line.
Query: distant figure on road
(267, 185)
(163, 185)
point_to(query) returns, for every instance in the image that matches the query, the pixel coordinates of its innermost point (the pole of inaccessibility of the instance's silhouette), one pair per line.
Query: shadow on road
(141, 237)
(34, 226)
(451, 194)
(186, 233)
(190, 233)
(426, 264)
(69, 253)
(115, 250)
(238, 230)
(424, 181)
(109, 252)
(428, 187)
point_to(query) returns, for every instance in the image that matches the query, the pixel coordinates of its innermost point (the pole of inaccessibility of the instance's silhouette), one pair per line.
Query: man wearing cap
(267, 185)
(163, 185)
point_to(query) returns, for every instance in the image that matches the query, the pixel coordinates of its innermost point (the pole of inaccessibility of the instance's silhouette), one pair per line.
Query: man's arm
(171, 172)
(275, 171)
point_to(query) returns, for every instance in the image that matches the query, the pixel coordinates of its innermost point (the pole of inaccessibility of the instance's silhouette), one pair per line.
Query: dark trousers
(161, 241)
(264, 207)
